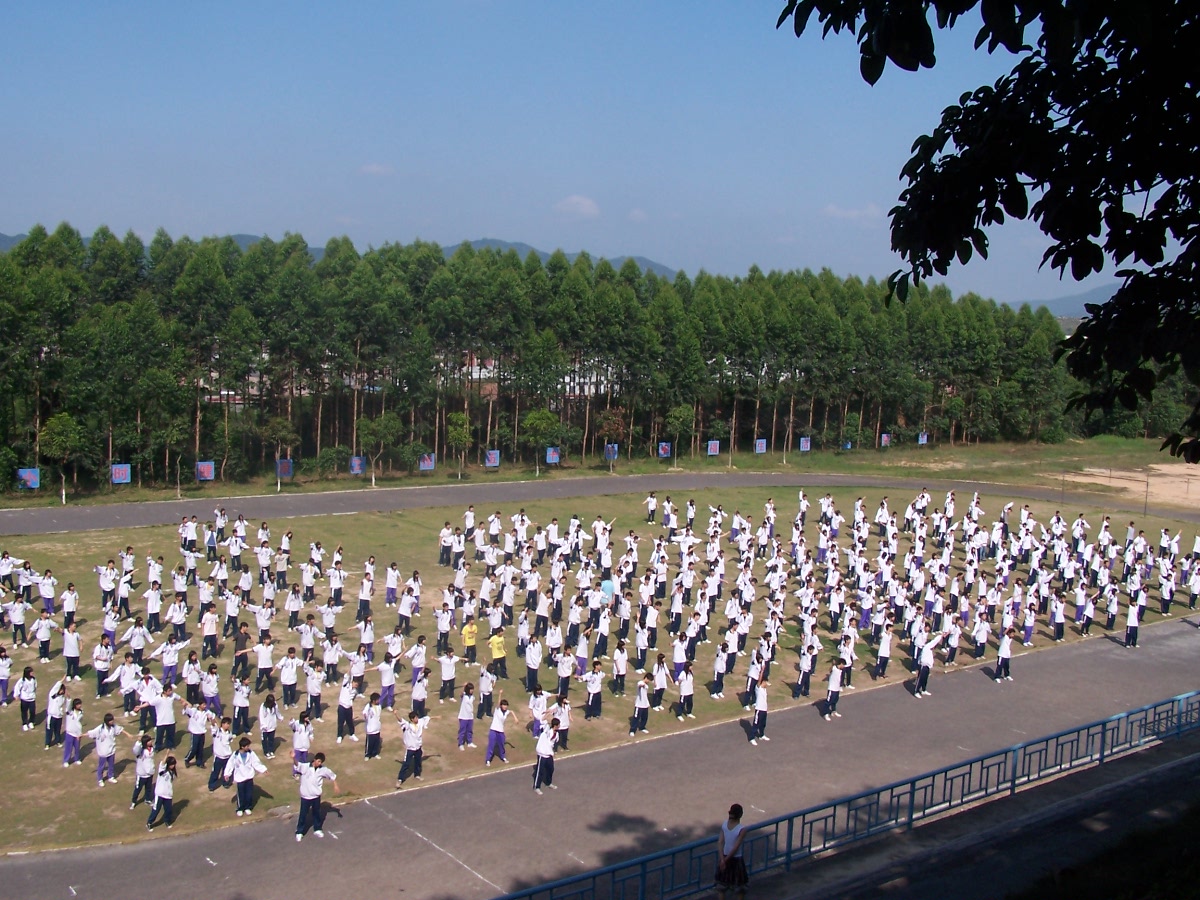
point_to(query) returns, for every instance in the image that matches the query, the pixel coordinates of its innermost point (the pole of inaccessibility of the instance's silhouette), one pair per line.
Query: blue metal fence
(779, 843)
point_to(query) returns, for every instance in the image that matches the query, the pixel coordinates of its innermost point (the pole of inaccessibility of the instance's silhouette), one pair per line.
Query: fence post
(1103, 739)
(787, 856)
(641, 895)
(1012, 771)
(912, 802)
(1178, 716)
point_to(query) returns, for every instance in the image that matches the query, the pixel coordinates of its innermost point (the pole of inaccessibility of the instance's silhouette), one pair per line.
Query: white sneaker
(339, 740)
(354, 737)
(998, 680)
(538, 791)
(838, 714)
(691, 715)
(299, 838)
(470, 745)
(319, 833)
(765, 738)
(680, 718)
(240, 813)
(753, 742)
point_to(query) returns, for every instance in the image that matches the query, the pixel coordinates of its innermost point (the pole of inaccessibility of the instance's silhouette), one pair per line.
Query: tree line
(185, 350)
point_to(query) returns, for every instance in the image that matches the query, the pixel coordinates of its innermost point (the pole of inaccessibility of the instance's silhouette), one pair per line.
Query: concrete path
(50, 520)
(489, 834)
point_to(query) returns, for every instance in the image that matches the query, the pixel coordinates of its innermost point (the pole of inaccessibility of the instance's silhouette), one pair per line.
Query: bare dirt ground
(1170, 484)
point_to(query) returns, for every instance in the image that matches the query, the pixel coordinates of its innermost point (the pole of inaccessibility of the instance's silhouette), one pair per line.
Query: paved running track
(485, 835)
(50, 520)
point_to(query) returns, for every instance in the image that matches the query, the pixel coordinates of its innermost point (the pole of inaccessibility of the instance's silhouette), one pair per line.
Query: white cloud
(577, 206)
(867, 215)
(376, 169)
(638, 215)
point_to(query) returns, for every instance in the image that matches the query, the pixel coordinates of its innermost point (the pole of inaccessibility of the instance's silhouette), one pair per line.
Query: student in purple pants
(501, 717)
(105, 736)
(466, 717)
(72, 732)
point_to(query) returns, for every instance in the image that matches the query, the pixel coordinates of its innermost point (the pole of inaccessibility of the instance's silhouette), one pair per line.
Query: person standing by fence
(731, 866)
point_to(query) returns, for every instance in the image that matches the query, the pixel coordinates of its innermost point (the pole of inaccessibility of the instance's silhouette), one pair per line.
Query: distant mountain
(1071, 306)
(245, 241)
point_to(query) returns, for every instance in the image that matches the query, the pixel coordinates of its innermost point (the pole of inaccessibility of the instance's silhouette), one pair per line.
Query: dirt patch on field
(945, 465)
(1170, 484)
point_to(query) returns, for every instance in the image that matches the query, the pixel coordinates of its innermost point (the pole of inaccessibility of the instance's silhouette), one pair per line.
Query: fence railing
(779, 843)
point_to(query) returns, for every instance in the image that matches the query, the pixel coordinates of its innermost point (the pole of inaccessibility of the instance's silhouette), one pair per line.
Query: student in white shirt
(466, 717)
(345, 711)
(758, 725)
(686, 684)
(72, 732)
(222, 738)
(72, 650)
(373, 725)
(413, 731)
(164, 794)
(200, 720)
(312, 780)
(543, 767)
(1004, 656)
(835, 689)
(105, 735)
(641, 705)
(268, 721)
(496, 740)
(241, 767)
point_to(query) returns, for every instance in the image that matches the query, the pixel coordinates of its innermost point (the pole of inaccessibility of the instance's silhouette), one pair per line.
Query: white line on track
(434, 846)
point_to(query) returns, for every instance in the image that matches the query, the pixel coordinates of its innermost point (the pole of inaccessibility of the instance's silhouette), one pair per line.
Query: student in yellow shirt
(499, 653)
(470, 633)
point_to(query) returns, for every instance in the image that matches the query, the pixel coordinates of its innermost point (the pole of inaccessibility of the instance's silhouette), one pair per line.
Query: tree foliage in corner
(1092, 135)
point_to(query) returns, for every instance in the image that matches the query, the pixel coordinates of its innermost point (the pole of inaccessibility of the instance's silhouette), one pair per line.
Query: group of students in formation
(571, 605)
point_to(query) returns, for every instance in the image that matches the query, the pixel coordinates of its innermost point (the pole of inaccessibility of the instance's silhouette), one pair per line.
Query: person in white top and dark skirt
(731, 867)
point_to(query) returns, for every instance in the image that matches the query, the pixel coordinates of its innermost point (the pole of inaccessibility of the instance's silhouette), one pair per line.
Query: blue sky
(694, 134)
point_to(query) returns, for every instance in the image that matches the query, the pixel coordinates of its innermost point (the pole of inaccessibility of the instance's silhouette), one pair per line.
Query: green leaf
(870, 66)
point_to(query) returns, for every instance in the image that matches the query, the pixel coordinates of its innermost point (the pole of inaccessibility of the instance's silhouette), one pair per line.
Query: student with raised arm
(543, 767)
(413, 732)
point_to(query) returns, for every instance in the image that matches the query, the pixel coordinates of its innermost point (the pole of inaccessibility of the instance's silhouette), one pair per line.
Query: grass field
(1045, 464)
(64, 807)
